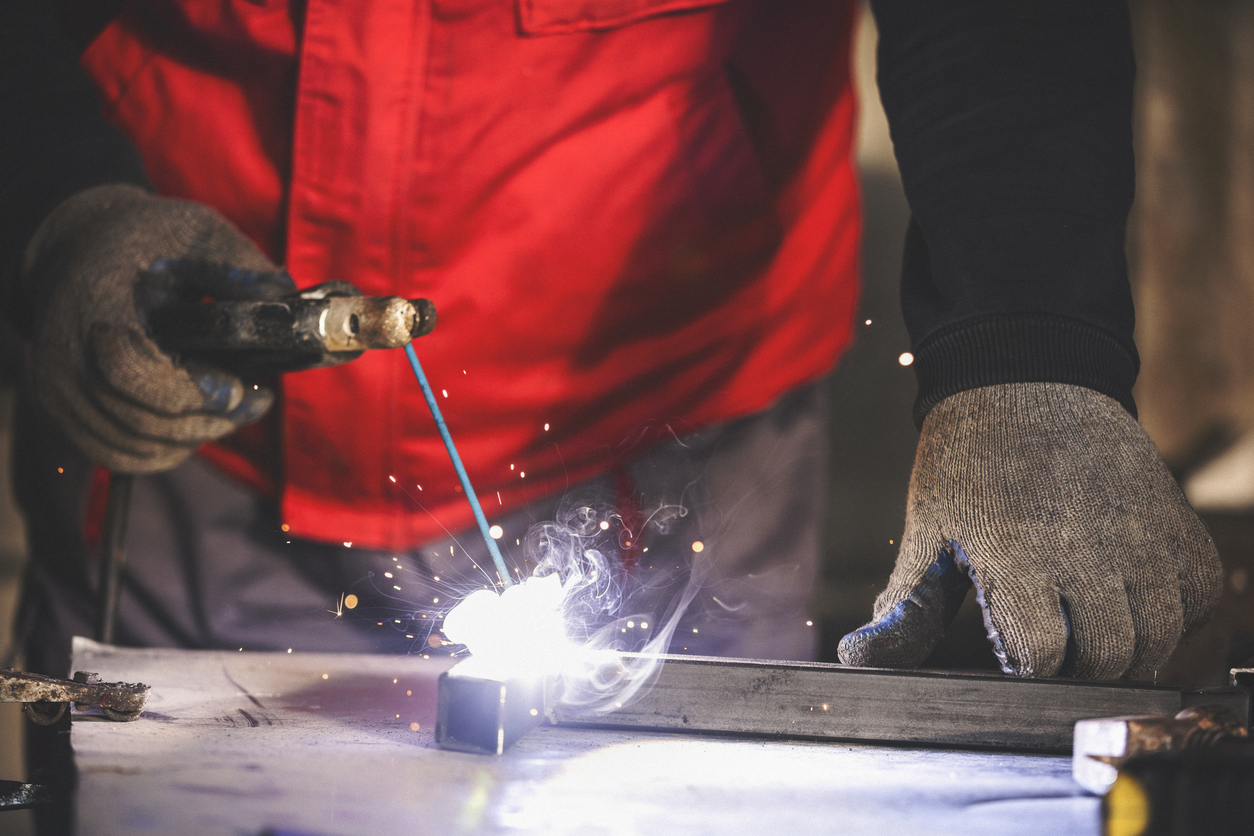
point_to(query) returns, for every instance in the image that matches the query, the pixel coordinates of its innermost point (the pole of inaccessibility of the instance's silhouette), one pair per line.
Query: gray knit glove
(123, 401)
(1055, 503)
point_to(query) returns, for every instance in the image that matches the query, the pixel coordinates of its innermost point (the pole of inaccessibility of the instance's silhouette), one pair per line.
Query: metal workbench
(250, 743)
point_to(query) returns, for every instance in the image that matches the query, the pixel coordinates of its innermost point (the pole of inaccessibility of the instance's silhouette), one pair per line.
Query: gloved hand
(1055, 503)
(123, 401)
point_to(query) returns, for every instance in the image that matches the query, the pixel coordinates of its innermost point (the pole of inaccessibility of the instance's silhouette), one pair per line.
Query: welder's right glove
(1053, 501)
(123, 401)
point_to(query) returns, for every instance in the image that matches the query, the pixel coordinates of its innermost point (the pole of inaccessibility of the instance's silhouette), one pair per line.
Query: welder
(639, 222)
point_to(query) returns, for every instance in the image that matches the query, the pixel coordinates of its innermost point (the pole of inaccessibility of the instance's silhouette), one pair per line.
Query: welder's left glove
(1055, 503)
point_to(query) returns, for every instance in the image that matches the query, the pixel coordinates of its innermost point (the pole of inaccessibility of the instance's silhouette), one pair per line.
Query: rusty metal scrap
(1105, 744)
(45, 699)
(14, 795)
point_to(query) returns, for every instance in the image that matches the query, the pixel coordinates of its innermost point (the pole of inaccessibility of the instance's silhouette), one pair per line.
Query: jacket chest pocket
(561, 17)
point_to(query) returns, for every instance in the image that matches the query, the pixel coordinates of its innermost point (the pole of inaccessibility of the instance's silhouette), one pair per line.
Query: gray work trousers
(208, 566)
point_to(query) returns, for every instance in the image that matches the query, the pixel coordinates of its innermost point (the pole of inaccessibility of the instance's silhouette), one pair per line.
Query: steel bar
(816, 700)
(906, 706)
(112, 554)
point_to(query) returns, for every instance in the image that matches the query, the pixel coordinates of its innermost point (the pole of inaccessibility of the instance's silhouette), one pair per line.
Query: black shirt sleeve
(54, 141)
(1012, 125)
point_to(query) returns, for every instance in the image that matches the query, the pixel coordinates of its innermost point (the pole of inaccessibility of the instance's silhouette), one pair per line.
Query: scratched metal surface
(243, 743)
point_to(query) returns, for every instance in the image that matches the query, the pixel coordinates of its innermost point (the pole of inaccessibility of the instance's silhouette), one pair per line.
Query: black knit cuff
(1022, 348)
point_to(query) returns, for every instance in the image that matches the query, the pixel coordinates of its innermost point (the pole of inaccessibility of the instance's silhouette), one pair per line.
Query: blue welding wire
(457, 465)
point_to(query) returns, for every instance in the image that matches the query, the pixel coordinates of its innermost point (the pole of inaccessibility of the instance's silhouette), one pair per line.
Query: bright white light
(521, 631)
(906, 358)
(497, 532)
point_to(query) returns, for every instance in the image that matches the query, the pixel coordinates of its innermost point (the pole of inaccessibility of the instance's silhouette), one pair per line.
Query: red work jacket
(635, 217)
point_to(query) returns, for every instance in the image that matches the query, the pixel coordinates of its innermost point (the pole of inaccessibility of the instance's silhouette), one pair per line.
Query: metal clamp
(45, 699)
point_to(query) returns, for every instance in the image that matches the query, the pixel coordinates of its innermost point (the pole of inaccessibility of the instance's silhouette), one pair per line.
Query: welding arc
(457, 465)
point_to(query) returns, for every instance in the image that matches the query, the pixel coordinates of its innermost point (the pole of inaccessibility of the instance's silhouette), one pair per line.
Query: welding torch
(320, 326)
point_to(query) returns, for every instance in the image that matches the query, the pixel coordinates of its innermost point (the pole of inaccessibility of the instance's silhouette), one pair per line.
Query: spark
(698, 547)
(339, 608)
(445, 391)
(511, 467)
(534, 712)
(289, 650)
(393, 478)
(348, 544)
(522, 474)
(326, 676)
(605, 525)
(285, 527)
(397, 588)
(409, 693)
(631, 625)
(694, 629)
(499, 501)
(644, 625)
(437, 578)
(809, 623)
(60, 470)
(890, 542)
(497, 532)
(419, 487)
(387, 575)
(414, 726)
(868, 322)
(906, 358)
(394, 681)
(546, 427)
(435, 600)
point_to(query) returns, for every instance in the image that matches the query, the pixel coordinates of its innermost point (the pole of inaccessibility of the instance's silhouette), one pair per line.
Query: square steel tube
(819, 700)
(486, 716)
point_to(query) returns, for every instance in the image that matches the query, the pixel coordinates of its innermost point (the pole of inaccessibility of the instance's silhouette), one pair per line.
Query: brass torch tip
(424, 321)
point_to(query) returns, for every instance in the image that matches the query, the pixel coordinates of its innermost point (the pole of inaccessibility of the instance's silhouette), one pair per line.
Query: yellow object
(1126, 808)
